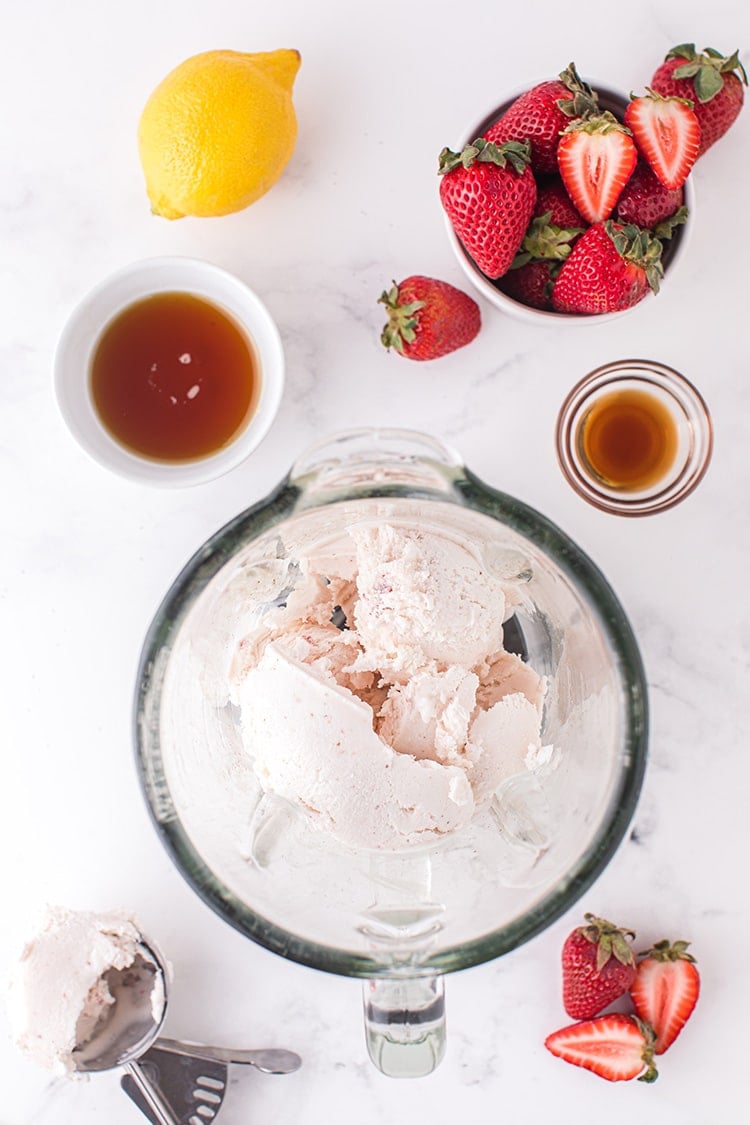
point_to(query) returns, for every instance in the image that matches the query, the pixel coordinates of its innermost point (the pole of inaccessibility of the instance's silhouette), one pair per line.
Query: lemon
(218, 131)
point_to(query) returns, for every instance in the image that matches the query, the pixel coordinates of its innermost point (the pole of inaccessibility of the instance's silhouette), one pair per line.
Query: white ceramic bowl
(82, 332)
(674, 249)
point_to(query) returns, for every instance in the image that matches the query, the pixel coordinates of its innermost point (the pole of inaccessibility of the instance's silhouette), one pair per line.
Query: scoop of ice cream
(429, 715)
(423, 598)
(59, 994)
(313, 743)
(501, 740)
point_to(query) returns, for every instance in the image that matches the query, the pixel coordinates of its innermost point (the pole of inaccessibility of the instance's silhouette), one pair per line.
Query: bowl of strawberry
(571, 201)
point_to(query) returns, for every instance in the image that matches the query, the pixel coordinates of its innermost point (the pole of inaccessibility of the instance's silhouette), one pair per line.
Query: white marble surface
(87, 557)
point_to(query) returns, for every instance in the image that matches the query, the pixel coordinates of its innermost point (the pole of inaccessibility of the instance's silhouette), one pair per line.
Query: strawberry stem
(402, 321)
(706, 68)
(585, 100)
(515, 153)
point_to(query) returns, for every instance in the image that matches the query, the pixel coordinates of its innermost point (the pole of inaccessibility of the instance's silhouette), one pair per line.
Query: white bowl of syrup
(170, 372)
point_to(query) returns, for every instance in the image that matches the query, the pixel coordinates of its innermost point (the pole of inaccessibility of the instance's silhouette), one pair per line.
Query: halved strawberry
(668, 135)
(596, 157)
(615, 1047)
(665, 990)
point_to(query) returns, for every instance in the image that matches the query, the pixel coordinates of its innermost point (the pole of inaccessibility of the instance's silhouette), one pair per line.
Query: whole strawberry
(535, 267)
(540, 115)
(711, 81)
(611, 268)
(646, 202)
(598, 967)
(551, 196)
(428, 318)
(488, 192)
(665, 990)
(531, 284)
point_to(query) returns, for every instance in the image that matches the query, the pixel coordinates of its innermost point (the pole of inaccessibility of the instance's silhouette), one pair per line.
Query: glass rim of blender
(475, 494)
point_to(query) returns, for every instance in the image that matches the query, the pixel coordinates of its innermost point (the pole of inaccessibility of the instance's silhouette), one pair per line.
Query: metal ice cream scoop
(173, 1083)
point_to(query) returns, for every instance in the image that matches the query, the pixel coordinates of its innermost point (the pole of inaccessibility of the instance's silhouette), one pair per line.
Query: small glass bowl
(692, 422)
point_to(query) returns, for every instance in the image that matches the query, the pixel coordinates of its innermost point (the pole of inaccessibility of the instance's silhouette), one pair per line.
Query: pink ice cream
(379, 698)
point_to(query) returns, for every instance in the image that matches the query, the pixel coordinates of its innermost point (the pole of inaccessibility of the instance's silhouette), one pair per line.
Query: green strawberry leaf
(684, 51)
(708, 82)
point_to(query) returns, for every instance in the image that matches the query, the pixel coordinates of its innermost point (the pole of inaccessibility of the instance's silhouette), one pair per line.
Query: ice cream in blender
(377, 695)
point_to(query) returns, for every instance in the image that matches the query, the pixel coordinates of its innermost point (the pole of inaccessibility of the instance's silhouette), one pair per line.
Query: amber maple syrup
(174, 377)
(629, 439)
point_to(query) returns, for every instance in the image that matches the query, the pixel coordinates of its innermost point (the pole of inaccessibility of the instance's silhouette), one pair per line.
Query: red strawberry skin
(714, 116)
(598, 967)
(489, 208)
(446, 318)
(666, 990)
(531, 284)
(552, 197)
(535, 117)
(646, 202)
(615, 1047)
(596, 278)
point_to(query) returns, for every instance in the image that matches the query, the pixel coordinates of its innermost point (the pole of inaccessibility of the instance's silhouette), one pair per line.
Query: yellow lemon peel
(218, 132)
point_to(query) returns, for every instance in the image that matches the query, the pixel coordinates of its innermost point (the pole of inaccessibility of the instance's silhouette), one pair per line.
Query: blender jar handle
(405, 1024)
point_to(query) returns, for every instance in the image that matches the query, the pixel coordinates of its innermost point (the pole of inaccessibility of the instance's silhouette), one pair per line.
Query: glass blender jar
(402, 918)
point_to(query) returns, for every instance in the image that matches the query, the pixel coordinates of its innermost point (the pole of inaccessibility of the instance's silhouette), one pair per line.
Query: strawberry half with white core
(712, 81)
(540, 115)
(667, 134)
(488, 192)
(596, 157)
(611, 268)
(665, 990)
(615, 1047)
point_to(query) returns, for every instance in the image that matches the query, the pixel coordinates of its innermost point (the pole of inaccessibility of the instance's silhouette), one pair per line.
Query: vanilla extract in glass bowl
(634, 437)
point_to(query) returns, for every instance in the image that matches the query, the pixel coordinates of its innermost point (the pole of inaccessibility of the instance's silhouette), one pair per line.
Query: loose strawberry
(540, 115)
(615, 1047)
(667, 134)
(665, 990)
(611, 268)
(598, 966)
(596, 157)
(428, 318)
(488, 192)
(712, 82)
(646, 202)
(552, 196)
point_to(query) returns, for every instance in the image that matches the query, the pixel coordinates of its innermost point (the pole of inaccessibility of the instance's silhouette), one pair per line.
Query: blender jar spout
(358, 462)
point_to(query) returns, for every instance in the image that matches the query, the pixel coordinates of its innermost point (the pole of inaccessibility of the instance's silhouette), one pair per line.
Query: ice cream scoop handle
(159, 1110)
(405, 1024)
